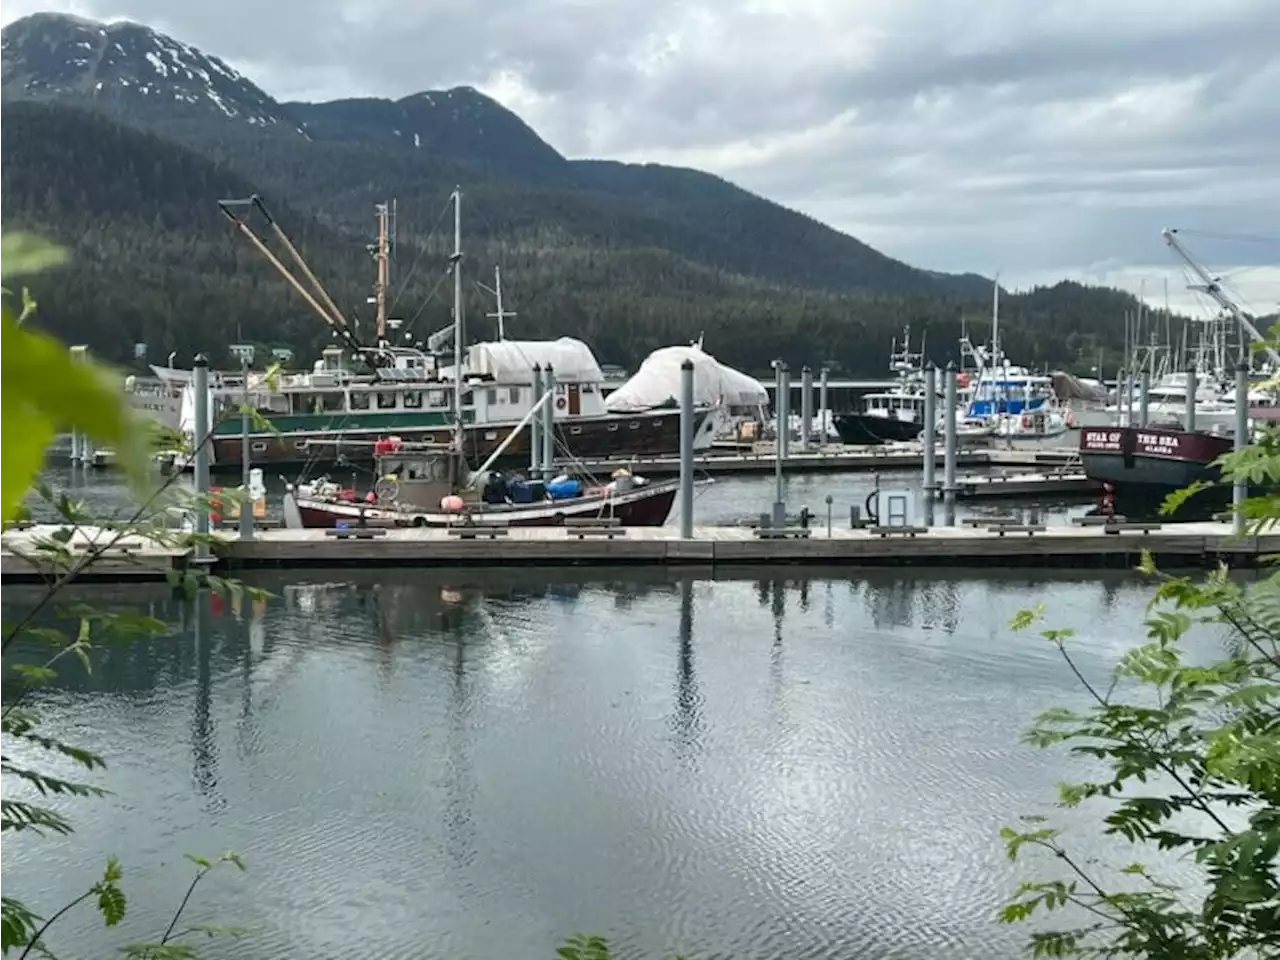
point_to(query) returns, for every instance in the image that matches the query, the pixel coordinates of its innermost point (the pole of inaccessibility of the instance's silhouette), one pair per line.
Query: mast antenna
(499, 314)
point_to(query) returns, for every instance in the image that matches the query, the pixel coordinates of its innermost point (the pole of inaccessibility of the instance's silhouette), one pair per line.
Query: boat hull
(1143, 465)
(860, 429)
(647, 506)
(648, 434)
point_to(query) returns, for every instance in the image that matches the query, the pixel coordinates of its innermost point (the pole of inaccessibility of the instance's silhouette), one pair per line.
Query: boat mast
(380, 285)
(500, 315)
(458, 329)
(995, 322)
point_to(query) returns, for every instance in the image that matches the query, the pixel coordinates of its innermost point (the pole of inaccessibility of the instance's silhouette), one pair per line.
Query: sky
(1036, 139)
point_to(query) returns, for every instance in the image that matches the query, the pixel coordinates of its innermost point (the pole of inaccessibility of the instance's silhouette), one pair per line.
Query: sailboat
(427, 484)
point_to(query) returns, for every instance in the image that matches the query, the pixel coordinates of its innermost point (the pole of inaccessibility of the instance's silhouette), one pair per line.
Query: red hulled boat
(419, 486)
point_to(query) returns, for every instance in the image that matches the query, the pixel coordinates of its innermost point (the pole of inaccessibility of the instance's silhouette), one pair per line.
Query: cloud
(976, 135)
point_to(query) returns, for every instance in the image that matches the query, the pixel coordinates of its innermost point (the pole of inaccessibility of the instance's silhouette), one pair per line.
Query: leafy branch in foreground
(1188, 759)
(42, 391)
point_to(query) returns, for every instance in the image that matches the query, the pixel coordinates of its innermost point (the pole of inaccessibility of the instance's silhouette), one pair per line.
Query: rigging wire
(422, 250)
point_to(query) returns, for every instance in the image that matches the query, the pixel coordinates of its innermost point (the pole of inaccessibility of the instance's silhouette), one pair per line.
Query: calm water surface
(418, 766)
(728, 500)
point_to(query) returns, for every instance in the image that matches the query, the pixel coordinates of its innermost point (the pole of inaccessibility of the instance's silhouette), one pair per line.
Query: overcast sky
(1039, 138)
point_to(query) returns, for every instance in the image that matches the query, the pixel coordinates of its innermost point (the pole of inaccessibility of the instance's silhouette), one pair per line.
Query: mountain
(130, 70)
(460, 124)
(631, 257)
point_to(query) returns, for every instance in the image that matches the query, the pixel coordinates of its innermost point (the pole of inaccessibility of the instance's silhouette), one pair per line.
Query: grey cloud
(958, 134)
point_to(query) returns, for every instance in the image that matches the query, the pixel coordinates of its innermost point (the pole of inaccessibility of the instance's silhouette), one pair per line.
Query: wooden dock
(1194, 544)
(1190, 544)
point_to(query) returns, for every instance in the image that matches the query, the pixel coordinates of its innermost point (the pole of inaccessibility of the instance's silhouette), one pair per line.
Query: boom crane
(238, 212)
(1211, 286)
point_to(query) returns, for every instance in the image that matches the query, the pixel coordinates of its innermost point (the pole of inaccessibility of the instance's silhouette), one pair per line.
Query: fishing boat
(356, 393)
(426, 485)
(895, 415)
(1140, 466)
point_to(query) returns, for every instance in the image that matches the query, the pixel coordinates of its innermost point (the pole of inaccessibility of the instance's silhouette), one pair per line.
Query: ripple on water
(727, 771)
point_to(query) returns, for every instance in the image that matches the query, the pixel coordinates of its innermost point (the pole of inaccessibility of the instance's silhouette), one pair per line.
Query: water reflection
(472, 764)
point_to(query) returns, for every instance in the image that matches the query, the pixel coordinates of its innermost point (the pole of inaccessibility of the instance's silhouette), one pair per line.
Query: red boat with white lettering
(1143, 465)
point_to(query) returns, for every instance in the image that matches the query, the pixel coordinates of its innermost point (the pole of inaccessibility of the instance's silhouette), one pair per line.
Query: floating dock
(832, 459)
(1184, 545)
(1054, 483)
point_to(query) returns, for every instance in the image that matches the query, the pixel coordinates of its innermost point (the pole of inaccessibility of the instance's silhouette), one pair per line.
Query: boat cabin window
(468, 398)
(431, 468)
(412, 399)
(588, 388)
(323, 402)
(359, 400)
(437, 398)
(491, 397)
(515, 394)
(386, 401)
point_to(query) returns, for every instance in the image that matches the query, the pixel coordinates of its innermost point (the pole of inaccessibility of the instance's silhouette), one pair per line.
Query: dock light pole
(1144, 388)
(244, 353)
(686, 450)
(199, 438)
(930, 441)
(784, 417)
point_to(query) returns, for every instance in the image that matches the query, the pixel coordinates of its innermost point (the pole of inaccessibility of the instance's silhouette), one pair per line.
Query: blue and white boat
(1010, 400)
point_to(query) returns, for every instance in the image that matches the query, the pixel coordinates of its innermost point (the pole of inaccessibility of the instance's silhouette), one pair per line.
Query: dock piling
(784, 415)
(930, 439)
(806, 408)
(245, 352)
(1239, 489)
(824, 417)
(535, 426)
(949, 451)
(686, 450)
(200, 443)
(1144, 388)
(1189, 417)
(779, 454)
(549, 424)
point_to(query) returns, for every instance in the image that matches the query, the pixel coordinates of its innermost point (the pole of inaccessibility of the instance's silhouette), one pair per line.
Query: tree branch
(48, 923)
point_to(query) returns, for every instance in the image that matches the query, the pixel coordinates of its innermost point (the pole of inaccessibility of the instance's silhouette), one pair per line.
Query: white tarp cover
(658, 381)
(513, 360)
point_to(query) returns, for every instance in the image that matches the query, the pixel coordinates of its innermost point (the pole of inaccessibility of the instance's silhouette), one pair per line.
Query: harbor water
(421, 766)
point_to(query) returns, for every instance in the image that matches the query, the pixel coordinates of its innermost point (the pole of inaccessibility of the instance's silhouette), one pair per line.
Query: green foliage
(1190, 761)
(44, 390)
(63, 553)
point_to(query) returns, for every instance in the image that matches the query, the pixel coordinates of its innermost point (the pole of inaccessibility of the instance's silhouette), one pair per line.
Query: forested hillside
(124, 161)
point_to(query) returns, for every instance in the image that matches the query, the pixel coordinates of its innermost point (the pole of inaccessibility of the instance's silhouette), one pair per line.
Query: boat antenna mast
(1213, 287)
(238, 212)
(381, 253)
(455, 264)
(499, 314)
